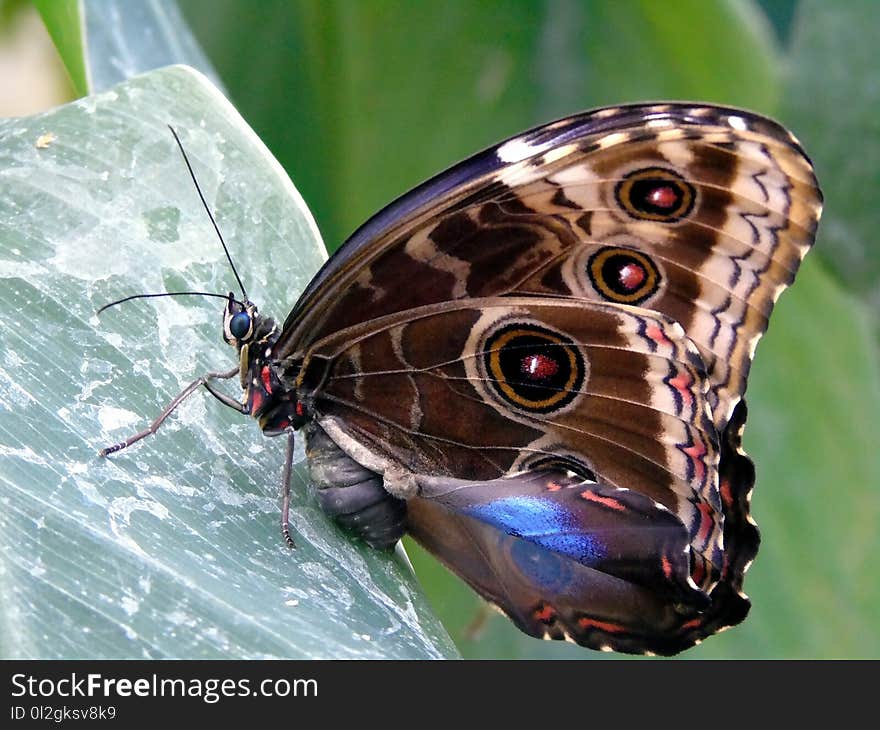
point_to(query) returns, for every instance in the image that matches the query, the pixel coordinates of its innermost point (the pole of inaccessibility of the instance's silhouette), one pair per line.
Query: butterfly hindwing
(602, 566)
(506, 388)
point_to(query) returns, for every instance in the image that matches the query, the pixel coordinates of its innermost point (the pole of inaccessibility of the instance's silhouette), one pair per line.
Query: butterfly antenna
(208, 211)
(167, 294)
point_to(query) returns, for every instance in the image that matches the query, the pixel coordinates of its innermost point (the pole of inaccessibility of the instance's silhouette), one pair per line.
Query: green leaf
(814, 395)
(171, 548)
(832, 96)
(63, 20)
(708, 51)
(103, 42)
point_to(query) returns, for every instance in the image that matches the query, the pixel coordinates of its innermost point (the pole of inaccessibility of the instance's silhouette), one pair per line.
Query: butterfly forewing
(531, 214)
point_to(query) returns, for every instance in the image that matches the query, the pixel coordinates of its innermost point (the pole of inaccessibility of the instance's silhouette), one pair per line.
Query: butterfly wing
(484, 403)
(699, 213)
(566, 559)
(485, 388)
(604, 567)
(702, 213)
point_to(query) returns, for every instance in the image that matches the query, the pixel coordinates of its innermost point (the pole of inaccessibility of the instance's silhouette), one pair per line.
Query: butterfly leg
(172, 406)
(285, 491)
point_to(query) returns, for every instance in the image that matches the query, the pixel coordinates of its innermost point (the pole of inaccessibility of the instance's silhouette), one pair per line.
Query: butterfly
(534, 363)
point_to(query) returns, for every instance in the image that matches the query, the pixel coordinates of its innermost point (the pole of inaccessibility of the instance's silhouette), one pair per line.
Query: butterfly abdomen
(351, 494)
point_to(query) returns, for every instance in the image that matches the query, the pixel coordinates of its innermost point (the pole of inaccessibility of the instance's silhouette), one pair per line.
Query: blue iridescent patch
(542, 522)
(540, 567)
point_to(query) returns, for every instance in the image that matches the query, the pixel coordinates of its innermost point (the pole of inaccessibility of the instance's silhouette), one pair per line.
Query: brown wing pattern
(709, 211)
(545, 349)
(485, 389)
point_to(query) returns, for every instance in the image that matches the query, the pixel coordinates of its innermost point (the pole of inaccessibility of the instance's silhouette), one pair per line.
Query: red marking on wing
(632, 276)
(706, 521)
(591, 623)
(657, 334)
(256, 401)
(300, 409)
(697, 452)
(553, 487)
(699, 572)
(693, 623)
(667, 566)
(267, 381)
(604, 501)
(545, 613)
(662, 197)
(682, 383)
(726, 494)
(539, 367)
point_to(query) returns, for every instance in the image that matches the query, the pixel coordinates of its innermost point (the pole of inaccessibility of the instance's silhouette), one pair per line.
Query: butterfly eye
(655, 194)
(240, 325)
(534, 369)
(623, 275)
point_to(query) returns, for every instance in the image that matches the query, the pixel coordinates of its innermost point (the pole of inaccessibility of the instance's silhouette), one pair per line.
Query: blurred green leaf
(389, 93)
(63, 20)
(832, 94)
(780, 14)
(103, 42)
(720, 51)
(813, 433)
(171, 548)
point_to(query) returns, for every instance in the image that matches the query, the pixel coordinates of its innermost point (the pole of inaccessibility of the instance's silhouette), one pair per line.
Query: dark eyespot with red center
(539, 367)
(663, 197)
(623, 275)
(533, 368)
(656, 194)
(631, 276)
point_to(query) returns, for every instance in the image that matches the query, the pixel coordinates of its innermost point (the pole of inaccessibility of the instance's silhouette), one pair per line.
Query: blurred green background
(360, 101)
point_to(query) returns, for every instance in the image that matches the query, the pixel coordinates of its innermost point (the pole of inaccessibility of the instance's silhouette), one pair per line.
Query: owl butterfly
(534, 363)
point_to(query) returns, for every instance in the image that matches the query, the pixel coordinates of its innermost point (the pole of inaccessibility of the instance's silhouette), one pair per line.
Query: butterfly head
(244, 325)
(240, 321)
